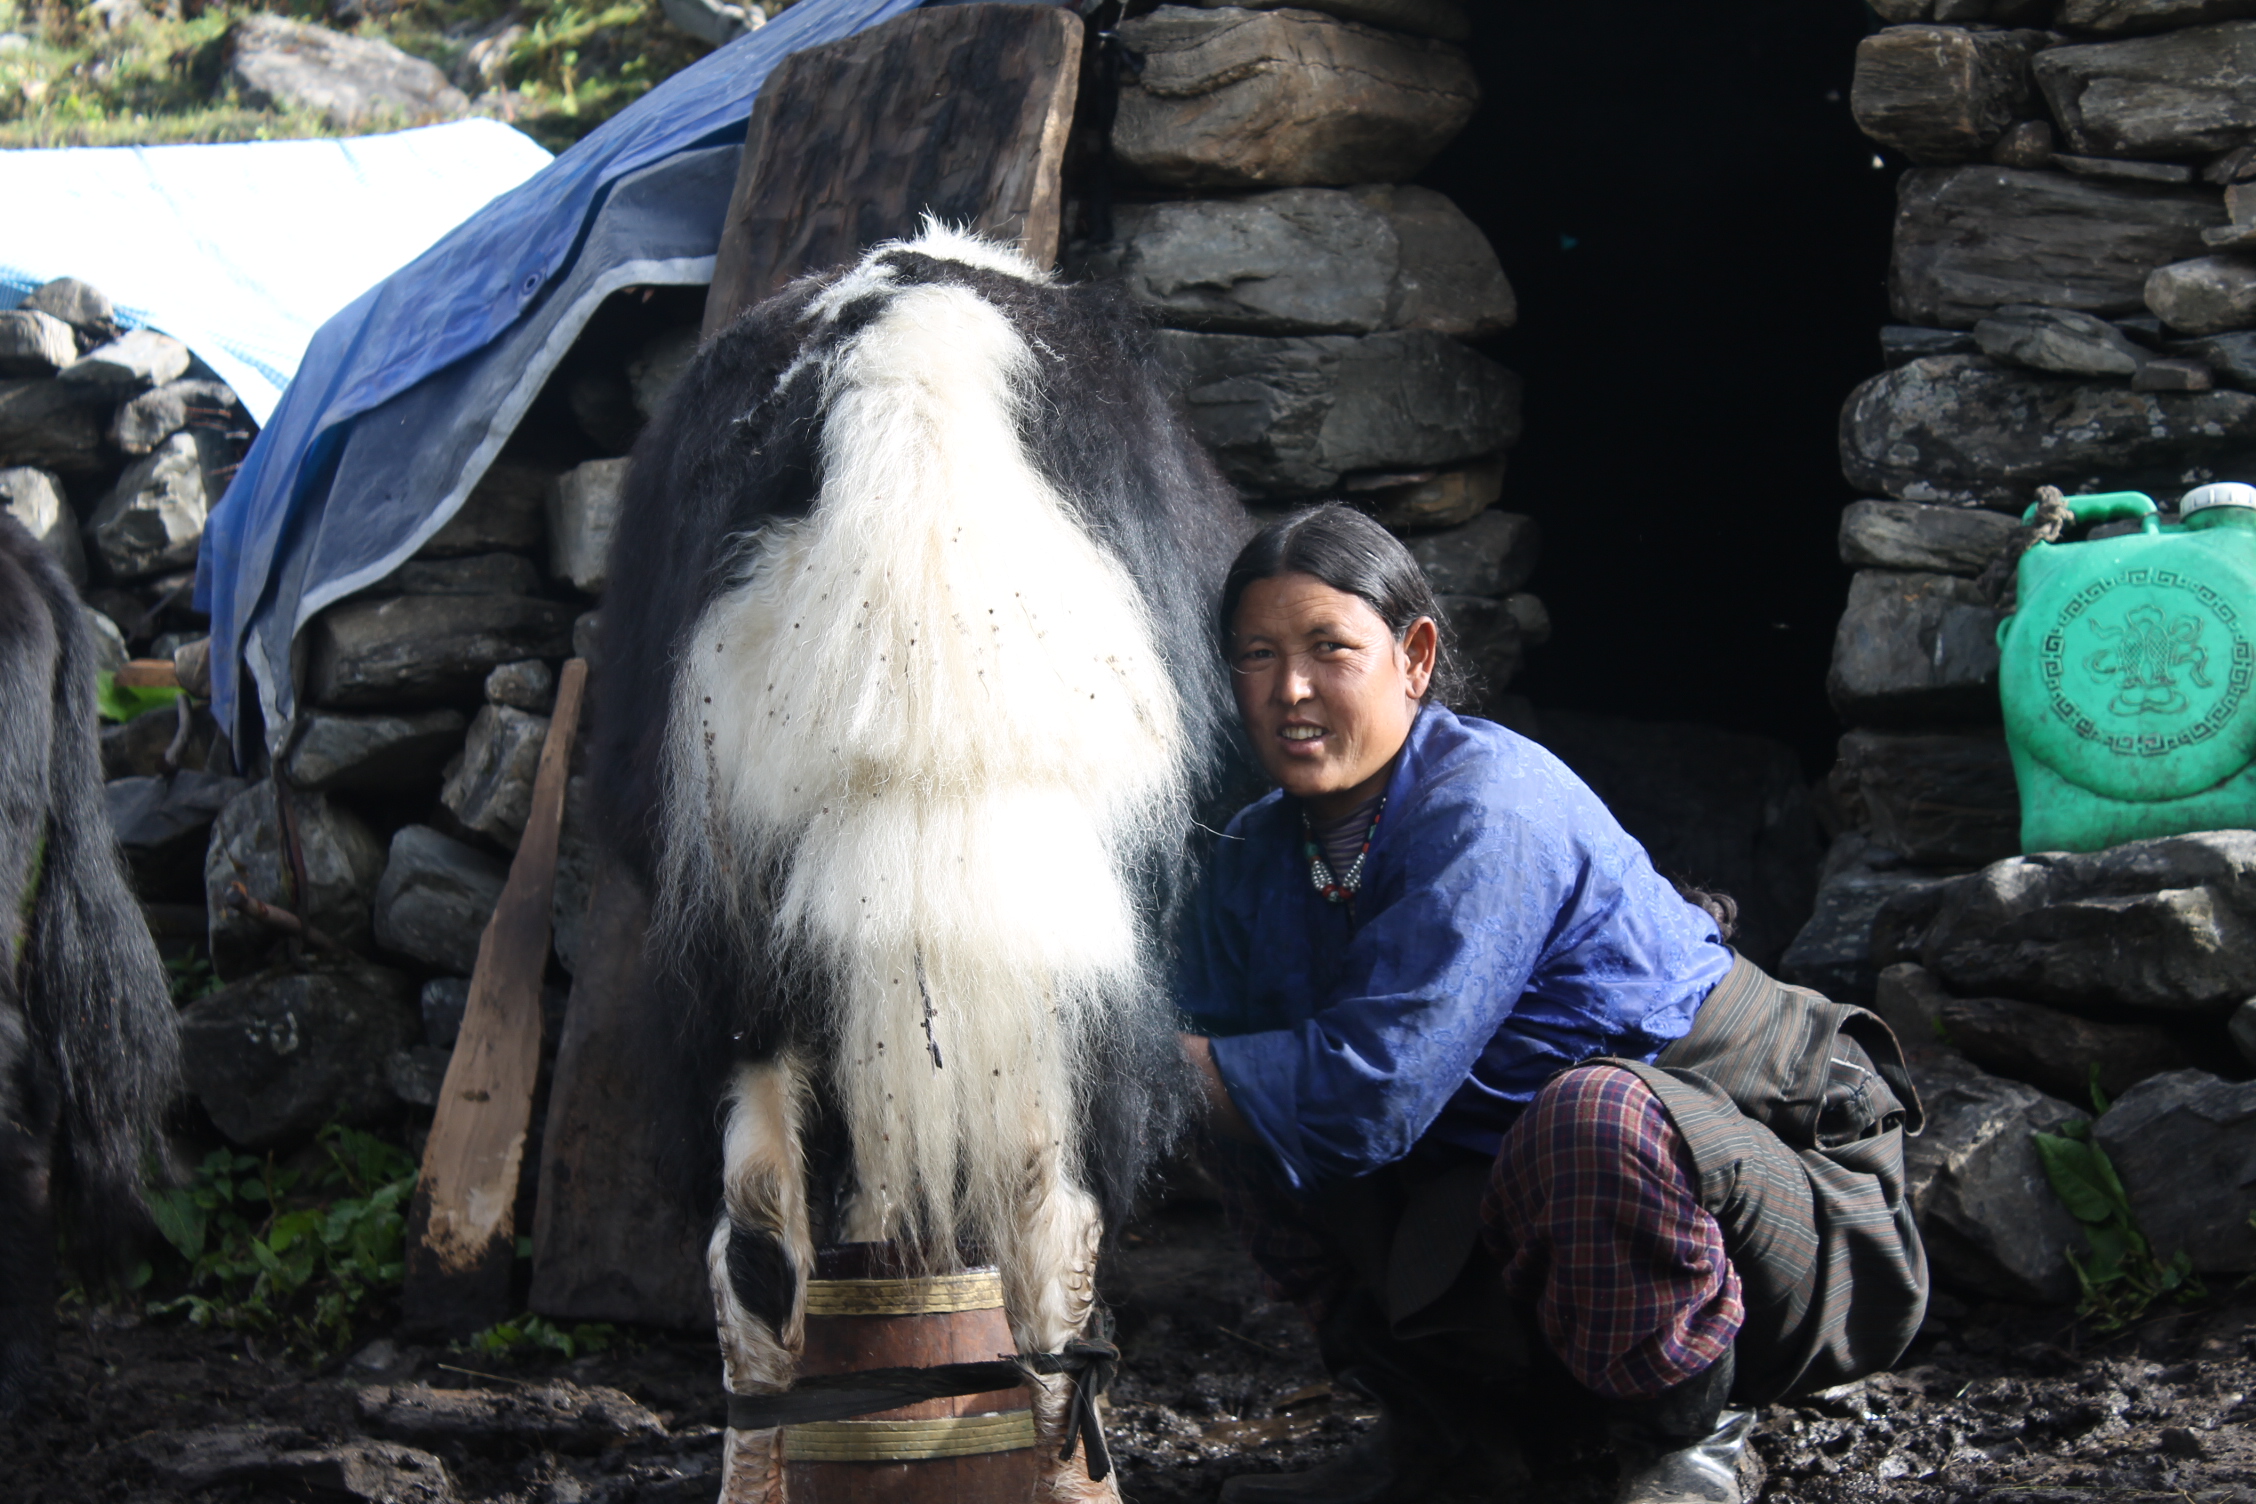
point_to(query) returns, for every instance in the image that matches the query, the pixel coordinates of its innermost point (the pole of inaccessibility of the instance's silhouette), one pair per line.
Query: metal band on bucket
(908, 1440)
(931, 1295)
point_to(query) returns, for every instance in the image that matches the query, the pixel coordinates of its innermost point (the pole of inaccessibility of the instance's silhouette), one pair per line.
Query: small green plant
(191, 978)
(530, 1335)
(262, 1251)
(2123, 1278)
(122, 702)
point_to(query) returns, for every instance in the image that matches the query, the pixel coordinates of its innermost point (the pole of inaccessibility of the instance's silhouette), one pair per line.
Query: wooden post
(461, 1232)
(609, 1242)
(960, 111)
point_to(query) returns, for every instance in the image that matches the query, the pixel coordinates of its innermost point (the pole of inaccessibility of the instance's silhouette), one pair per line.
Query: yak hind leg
(760, 1257)
(1050, 1289)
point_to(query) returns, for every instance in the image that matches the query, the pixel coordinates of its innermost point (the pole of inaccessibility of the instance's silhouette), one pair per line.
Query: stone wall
(2074, 276)
(2074, 279)
(1318, 307)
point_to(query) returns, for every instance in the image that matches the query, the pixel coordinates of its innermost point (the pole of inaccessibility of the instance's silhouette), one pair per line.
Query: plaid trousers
(1592, 1217)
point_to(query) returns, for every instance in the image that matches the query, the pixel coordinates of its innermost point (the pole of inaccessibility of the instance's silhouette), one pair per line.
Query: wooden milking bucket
(864, 1313)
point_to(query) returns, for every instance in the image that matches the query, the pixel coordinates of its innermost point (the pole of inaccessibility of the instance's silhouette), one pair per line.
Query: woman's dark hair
(1354, 555)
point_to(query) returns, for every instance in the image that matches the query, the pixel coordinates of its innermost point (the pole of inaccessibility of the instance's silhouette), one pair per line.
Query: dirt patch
(1998, 1402)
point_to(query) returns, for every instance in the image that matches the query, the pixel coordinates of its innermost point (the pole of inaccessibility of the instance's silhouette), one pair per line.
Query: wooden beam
(960, 111)
(610, 1243)
(461, 1232)
(148, 673)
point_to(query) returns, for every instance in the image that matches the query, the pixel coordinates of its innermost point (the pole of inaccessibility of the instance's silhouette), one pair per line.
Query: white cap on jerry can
(2224, 493)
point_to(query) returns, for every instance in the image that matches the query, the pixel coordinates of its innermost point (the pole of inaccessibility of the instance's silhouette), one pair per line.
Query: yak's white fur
(932, 712)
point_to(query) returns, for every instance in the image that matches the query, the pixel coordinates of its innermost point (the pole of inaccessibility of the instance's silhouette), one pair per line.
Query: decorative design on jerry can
(2124, 673)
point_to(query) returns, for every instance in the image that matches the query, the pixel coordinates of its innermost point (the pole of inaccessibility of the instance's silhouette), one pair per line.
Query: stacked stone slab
(2074, 284)
(1316, 306)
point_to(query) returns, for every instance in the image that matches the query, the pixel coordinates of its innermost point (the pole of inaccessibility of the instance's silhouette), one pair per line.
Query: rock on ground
(1714, 808)
(1912, 649)
(490, 790)
(373, 753)
(352, 82)
(505, 510)
(2060, 340)
(36, 499)
(275, 1056)
(1956, 428)
(164, 825)
(1926, 539)
(1970, 240)
(343, 860)
(583, 510)
(52, 425)
(1289, 417)
(1942, 93)
(153, 518)
(1989, 1217)
(1311, 261)
(424, 649)
(443, 1002)
(294, 1464)
(1242, 99)
(34, 343)
(434, 899)
(2207, 295)
(2182, 94)
(2184, 1145)
(1446, 19)
(1941, 798)
(2056, 1052)
(554, 1416)
(2166, 927)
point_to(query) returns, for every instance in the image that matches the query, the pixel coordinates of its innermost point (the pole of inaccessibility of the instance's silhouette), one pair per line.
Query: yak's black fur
(731, 451)
(89, 1042)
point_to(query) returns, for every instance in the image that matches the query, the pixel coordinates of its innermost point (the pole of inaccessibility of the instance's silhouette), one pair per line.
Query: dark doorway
(1699, 239)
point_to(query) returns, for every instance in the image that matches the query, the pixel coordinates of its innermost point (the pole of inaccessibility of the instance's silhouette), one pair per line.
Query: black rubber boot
(1417, 1440)
(1683, 1446)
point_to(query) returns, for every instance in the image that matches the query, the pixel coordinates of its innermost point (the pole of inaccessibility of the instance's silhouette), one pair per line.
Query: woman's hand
(1221, 1113)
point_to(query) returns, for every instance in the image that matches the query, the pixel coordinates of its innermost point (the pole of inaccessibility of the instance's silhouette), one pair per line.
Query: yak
(907, 698)
(89, 1040)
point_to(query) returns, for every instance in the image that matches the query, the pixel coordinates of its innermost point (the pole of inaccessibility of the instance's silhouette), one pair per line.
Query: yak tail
(92, 988)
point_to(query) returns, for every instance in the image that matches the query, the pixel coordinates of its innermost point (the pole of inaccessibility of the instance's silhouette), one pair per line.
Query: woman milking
(1491, 1099)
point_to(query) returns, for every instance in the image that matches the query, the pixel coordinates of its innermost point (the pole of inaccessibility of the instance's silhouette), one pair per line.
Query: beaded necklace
(1343, 888)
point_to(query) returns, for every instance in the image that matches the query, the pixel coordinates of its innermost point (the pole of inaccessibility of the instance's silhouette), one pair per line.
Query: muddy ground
(1996, 1402)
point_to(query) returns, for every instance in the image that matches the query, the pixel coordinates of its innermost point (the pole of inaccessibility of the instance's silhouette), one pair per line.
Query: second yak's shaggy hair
(89, 1043)
(906, 697)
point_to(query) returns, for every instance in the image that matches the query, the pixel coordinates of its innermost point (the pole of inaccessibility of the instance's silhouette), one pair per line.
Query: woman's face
(1326, 693)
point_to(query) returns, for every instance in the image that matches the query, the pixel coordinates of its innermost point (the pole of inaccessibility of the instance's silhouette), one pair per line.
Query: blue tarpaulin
(405, 397)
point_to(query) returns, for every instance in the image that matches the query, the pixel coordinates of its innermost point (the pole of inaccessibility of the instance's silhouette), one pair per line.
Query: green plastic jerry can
(2125, 669)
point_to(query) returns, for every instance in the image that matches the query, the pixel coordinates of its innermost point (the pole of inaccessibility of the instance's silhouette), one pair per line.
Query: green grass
(569, 66)
(303, 1255)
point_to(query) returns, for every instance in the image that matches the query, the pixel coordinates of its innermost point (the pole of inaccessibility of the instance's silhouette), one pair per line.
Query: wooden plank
(960, 111)
(461, 1231)
(148, 673)
(609, 1243)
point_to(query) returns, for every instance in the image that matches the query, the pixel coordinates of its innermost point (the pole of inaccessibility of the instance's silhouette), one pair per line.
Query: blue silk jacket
(1506, 928)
